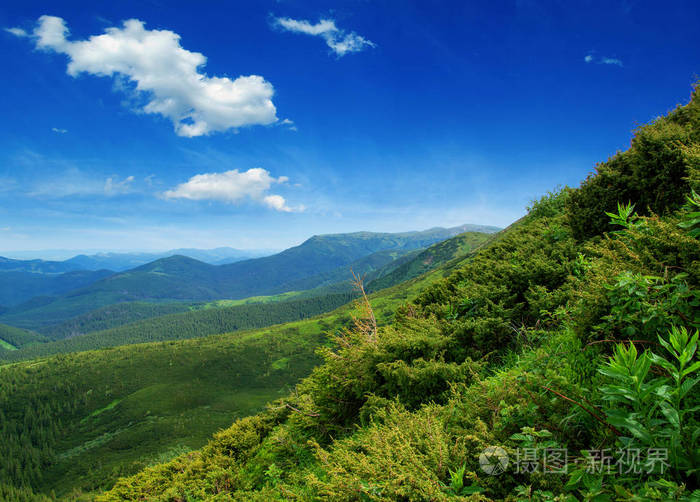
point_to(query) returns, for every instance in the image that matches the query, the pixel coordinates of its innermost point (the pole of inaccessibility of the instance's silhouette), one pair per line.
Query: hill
(124, 261)
(92, 453)
(130, 323)
(112, 316)
(20, 286)
(183, 325)
(318, 261)
(36, 266)
(575, 330)
(14, 338)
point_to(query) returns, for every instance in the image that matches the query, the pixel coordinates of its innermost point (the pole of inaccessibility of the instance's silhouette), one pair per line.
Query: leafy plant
(651, 412)
(691, 219)
(645, 306)
(625, 216)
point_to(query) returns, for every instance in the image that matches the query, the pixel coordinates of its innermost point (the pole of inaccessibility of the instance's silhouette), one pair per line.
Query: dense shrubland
(576, 329)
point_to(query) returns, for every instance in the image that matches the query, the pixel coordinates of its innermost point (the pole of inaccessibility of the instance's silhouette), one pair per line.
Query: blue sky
(258, 124)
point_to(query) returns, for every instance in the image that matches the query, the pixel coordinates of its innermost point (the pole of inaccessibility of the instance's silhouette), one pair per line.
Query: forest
(182, 325)
(116, 412)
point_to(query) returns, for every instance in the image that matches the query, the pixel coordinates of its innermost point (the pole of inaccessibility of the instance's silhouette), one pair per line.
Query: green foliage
(191, 324)
(691, 218)
(657, 412)
(645, 306)
(649, 272)
(624, 217)
(17, 337)
(551, 204)
(661, 165)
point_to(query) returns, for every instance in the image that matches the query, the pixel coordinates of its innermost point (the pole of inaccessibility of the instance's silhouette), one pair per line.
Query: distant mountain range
(119, 262)
(319, 261)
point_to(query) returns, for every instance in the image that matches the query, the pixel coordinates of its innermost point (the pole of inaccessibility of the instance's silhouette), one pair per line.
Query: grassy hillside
(191, 324)
(110, 411)
(559, 335)
(71, 387)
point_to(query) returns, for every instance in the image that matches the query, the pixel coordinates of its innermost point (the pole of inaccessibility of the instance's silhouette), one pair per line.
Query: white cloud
(167, 75)
(74, 182)
(114, 186)
(232, 187)
(614, 61)
(340, 41)
(591, 58)
(289, 124)
(18, 32)
(59, 131)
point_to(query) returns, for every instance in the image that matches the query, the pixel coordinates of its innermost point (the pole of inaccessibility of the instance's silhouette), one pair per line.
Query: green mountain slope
(19, 286)
(183, 325)
(318, 261)
(112, 316)
(154, 322)
(88, 382)
(14, 338)
(428, 259)
(556, 336)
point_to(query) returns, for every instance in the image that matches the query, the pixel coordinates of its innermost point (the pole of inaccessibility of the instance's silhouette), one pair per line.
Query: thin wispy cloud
(234, 187)
(113, 186)
(592, 58)
(59, 131)
(157, 67)
(288, 124)
(340, 41)
(75, 183)
(18, 32)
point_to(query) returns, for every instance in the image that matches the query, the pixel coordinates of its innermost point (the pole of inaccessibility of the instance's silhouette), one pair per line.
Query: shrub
(656, 412)
(662, 164)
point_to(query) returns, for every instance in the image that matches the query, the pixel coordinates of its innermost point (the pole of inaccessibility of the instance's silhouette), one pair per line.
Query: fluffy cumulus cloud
(340, 41)
(164, 73)
(233, 187)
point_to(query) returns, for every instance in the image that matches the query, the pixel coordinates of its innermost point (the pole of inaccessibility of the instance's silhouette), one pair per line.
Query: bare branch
(367, 322)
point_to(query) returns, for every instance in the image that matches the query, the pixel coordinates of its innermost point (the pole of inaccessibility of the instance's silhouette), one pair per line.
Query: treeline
(112, 316)
(185, 325)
